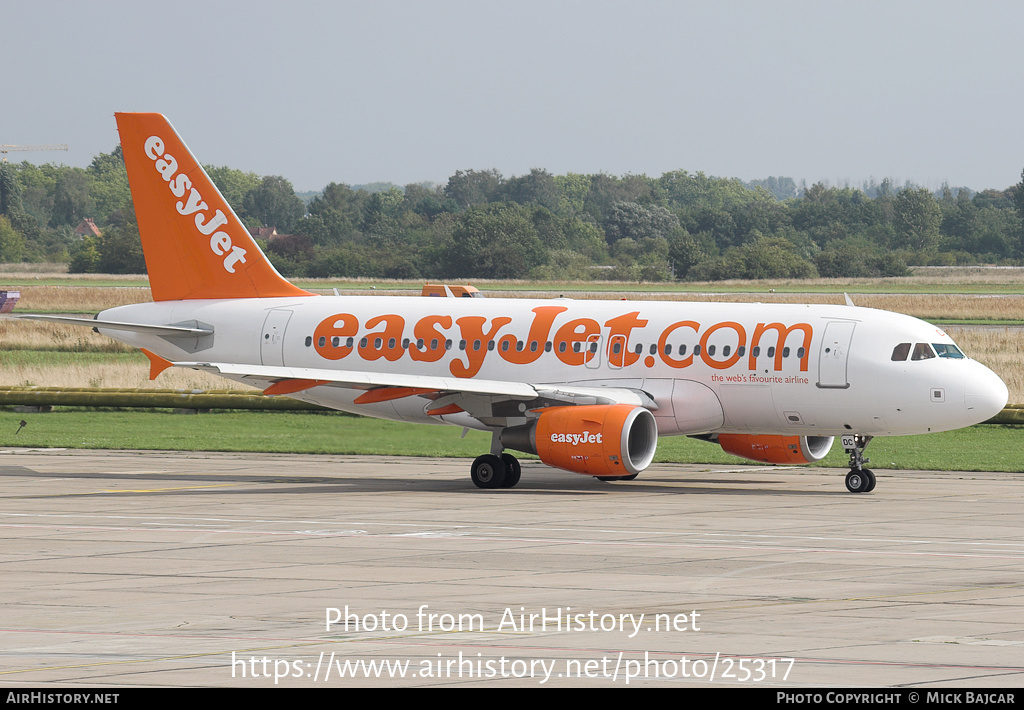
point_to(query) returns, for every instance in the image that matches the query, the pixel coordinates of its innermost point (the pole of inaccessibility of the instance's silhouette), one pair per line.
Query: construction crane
(5, 149)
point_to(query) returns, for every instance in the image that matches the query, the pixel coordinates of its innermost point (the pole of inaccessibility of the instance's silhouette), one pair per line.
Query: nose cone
(985, 395)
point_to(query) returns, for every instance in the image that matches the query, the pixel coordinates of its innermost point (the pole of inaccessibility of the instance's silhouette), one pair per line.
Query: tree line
(481, 224)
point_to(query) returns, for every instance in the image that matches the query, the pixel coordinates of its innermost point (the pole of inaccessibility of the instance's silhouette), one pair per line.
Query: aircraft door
(272, 337)
(835, 350)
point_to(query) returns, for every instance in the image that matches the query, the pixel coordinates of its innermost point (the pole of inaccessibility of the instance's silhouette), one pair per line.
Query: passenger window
(900, 352)
(922, 351)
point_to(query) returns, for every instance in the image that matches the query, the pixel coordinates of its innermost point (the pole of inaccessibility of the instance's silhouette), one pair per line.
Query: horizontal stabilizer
(166, 331)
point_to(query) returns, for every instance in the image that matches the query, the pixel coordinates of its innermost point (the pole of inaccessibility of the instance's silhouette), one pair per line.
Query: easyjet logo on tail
(179, 184)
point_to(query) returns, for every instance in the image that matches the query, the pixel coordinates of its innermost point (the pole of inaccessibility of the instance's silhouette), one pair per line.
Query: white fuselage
(815, 370)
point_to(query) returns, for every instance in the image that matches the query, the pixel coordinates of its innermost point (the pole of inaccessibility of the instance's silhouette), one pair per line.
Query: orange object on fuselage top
(434, 336)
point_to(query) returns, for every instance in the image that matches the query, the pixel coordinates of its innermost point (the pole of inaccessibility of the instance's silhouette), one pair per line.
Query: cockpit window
(947, 350)
(900, 352)
(922, 351)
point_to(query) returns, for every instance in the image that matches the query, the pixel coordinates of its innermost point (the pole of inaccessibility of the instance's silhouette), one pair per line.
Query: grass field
(963, 294)
(980, 448)
(923, 280)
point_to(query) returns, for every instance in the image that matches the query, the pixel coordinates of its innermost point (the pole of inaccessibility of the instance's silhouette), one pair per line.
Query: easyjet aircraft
(587, 385)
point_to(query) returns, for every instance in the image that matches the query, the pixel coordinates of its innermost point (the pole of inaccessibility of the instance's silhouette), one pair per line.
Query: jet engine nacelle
(775, 448)
(599, 440)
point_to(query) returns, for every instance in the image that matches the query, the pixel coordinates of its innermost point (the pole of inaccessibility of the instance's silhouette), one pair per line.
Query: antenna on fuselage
(849, 301)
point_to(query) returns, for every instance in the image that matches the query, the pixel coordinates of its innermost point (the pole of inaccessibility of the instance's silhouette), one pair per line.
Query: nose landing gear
(859, 479)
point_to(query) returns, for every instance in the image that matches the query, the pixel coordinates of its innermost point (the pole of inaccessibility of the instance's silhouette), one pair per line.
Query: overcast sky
(403, 91)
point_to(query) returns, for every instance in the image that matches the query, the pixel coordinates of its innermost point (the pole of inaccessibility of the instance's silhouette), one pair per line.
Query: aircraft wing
(386, 386)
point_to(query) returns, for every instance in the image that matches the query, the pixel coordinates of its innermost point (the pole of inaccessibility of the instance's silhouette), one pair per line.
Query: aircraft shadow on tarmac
(538, 480)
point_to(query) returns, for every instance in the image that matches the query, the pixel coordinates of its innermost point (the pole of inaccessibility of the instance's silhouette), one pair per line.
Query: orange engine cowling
(775, 448)
(599, 440)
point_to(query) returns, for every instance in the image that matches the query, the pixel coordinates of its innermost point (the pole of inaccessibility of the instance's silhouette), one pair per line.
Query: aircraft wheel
(859, 481)
(512, 470)
(488, 471)
(871, 480)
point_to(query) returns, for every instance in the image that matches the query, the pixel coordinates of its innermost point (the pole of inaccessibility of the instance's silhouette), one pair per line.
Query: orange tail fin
(194, 243)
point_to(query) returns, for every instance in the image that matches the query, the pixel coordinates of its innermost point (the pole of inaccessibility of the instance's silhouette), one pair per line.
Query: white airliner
(587, 385)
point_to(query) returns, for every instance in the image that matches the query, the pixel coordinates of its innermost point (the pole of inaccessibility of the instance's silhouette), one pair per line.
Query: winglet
(157, 364)
(195, 245)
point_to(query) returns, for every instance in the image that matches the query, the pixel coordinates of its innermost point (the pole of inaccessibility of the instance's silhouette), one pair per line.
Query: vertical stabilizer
(194, 243)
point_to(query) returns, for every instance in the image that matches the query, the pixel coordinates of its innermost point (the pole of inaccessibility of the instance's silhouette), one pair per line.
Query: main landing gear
(859, 479)
(496, 471)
